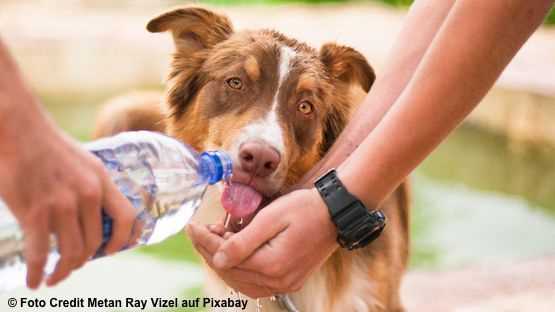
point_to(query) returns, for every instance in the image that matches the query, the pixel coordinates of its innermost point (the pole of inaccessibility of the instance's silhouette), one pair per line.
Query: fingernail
(220, 260)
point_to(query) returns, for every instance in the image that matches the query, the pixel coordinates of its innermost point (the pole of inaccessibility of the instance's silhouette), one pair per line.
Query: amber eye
(305, 107)
(234, 83)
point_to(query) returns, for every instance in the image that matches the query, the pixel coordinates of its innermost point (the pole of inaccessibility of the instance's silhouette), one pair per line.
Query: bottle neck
(215, 166)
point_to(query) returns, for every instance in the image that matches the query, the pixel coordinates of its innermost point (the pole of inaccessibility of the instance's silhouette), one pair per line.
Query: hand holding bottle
(51, 185)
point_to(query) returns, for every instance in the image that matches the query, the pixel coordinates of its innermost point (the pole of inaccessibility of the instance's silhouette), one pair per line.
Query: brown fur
(208, 51)
(130, 112)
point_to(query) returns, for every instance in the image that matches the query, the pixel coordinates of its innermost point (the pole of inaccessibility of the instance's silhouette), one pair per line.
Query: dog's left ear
(346, 67)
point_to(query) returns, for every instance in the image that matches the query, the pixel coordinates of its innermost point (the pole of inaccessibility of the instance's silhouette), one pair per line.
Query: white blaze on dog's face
(276, 105)
(260, 144)
(268, 129)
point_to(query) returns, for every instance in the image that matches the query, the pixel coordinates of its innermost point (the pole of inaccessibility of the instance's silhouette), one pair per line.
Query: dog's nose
(258, 158)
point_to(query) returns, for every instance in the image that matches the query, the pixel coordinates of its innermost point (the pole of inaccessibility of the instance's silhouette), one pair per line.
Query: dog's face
(276, 105)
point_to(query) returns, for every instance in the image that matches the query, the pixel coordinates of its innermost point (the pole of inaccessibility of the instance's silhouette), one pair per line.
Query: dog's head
(275, 104)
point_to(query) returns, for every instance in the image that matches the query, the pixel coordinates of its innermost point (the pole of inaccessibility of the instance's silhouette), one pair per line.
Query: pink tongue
(240, 200)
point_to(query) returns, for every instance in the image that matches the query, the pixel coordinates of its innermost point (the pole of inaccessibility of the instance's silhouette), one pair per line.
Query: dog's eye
(234, 83)
(305, 107)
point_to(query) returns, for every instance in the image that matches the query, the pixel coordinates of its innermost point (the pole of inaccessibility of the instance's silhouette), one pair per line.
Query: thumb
(240, 246)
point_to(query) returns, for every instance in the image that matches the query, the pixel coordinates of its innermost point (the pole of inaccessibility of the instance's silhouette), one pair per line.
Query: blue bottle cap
(215, 166)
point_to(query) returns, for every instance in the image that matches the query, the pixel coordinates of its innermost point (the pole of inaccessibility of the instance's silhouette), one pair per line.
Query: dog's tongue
(240, 200)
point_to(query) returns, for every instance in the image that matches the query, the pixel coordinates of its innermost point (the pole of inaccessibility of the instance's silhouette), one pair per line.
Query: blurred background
(483, 215)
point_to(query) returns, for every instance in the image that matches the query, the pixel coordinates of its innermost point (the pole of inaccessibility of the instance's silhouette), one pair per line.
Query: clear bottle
(163, 179)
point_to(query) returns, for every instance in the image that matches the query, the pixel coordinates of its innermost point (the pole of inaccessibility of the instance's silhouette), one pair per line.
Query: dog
(276, 105)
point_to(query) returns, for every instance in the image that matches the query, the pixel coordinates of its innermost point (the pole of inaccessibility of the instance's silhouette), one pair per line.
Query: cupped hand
(277, 251)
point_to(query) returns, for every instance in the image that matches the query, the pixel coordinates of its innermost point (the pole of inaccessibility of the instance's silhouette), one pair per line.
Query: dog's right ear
(193, 28)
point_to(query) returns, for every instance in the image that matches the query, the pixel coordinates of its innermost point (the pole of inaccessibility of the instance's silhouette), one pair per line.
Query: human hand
(53, 186)
(208, 239)
(277, 251)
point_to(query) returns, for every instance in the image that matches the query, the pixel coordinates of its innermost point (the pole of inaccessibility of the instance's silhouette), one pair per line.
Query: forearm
(12, 84)
(23, 123)
(420, 26)
(474, 45)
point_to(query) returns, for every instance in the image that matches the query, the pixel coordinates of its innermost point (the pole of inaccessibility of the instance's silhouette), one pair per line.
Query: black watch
(356, 225)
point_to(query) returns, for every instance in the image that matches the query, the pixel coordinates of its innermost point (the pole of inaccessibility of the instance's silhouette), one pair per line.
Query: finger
(136, 233)
(37, 245)
(227, 235)
(123, 216)
(216, 228)
(241, 245)
(207, 256)
(288, 282)
(236, 275)
(70, 243)
(241, 281)
(203, 238)
(90, 218)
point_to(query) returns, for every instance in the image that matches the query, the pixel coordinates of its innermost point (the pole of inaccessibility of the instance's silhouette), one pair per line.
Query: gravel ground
(522, 286)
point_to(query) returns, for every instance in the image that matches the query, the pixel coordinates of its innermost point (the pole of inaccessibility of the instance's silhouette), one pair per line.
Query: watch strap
(334, 194)
(356, 226)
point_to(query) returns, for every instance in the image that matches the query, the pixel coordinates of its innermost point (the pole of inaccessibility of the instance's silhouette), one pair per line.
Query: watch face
(363, 232)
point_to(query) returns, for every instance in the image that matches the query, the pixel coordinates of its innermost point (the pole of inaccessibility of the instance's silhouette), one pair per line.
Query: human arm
(51, 185)
(419, 29)
(473, 46)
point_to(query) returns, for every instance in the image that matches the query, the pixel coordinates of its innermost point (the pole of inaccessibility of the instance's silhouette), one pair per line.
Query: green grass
(422, 255)
(75, 113)
(486, 162)
(396, 2)
(177, 247)
(550, 20)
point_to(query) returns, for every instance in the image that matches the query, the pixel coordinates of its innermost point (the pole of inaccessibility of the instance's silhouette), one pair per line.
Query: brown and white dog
(276, 106)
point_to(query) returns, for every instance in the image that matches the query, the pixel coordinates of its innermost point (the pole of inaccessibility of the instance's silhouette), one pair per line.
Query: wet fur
(363, 280)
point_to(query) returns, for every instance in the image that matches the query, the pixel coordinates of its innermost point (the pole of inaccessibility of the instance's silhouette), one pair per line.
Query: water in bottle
(163, 179)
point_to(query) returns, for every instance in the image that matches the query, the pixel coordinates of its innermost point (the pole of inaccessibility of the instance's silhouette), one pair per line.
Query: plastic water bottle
(163, 179)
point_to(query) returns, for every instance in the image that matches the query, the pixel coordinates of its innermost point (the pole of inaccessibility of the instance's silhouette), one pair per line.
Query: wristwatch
(356, 225)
